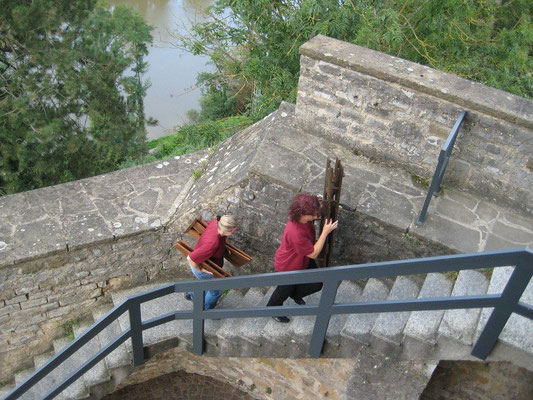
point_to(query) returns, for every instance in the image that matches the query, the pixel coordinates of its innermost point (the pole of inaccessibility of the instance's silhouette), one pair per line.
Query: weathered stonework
(401, 112)
(65, 249)
(363, 376)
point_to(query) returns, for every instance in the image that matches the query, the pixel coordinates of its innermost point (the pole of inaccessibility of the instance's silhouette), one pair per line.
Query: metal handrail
(504, 305)
(444, 158)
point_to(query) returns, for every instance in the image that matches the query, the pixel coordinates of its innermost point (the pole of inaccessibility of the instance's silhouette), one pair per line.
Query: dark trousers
(282, 293)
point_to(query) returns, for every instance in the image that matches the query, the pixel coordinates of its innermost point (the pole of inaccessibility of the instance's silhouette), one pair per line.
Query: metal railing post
(198, 322)
(433, 188)
(444, 158)
(136, 332)
(329, 292)
(500, 315)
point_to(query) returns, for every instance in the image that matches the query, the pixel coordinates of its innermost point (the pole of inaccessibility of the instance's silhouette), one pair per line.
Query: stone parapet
(401, 112)
(104, 208)
(64, 248)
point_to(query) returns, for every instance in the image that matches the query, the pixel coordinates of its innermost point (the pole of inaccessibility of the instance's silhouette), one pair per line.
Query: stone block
(513, 234)
(9, 309)
(494, 242)
(21, 339)
(284, 166)
(449, 233)
(455, 211)
(40, 237)
(424, 325)
(72, 310)
(378, 205)
(329, 69)
(461, 324)
(17, 299)
(33, 303)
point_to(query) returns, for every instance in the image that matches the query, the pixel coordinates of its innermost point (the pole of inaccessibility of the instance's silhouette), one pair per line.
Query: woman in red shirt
(298, 248)
(212, 245)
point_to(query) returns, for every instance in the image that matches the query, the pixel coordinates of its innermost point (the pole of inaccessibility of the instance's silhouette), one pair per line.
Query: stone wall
(478, 381)
(402, 112)
(65, 248)
(364, 376)
(263, 378)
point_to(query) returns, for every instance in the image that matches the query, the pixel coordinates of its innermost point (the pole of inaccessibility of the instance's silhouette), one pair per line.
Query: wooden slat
(208, 265)
(233, 254)
(330, 206)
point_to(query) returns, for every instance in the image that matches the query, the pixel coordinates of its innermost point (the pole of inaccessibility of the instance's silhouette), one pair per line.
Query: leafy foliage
(192, 137)
(485, 41)
(254, 45)
(68, 107)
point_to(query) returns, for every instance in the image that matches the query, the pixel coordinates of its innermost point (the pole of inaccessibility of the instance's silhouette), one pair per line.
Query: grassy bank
(190, 138)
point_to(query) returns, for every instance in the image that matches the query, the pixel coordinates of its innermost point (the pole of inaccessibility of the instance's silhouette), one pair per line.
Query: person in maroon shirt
(298, 249)
(211, 245)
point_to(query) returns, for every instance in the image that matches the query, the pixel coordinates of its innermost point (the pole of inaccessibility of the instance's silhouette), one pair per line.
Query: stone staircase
(421, 335)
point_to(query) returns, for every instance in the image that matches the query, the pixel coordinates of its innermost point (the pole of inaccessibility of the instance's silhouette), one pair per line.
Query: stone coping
(463, 92)
(296, 159)
(86, 212)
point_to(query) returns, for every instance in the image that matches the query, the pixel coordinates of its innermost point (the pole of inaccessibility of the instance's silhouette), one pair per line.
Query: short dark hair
(303, 204)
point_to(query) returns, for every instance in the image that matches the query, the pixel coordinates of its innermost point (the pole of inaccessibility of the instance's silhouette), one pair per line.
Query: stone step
(358, 327)
(283, 340)
(301, 328)
(120, 357)
(460, 325)
(513, 333)
(99, 373)
(243, 335)
(389, 326)
(231, 299)
(171, 331)
(97, 379)
(35, 392)
(78, 389)
(424, 325)
(348, 292)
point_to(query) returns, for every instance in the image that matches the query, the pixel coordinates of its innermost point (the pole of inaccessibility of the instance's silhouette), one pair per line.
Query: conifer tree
(71, 94)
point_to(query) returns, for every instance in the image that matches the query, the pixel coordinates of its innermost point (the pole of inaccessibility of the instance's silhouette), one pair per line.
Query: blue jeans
(211, 296)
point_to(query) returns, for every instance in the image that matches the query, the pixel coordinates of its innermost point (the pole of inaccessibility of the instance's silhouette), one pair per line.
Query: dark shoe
(283, 320)
(300, 302)
(188, 296)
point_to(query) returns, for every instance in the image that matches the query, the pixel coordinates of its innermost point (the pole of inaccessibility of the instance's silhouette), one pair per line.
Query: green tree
(485, 41)
(254, 45)
(71, 94)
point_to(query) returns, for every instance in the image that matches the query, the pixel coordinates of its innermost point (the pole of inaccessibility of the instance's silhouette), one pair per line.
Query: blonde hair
(227, 223)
